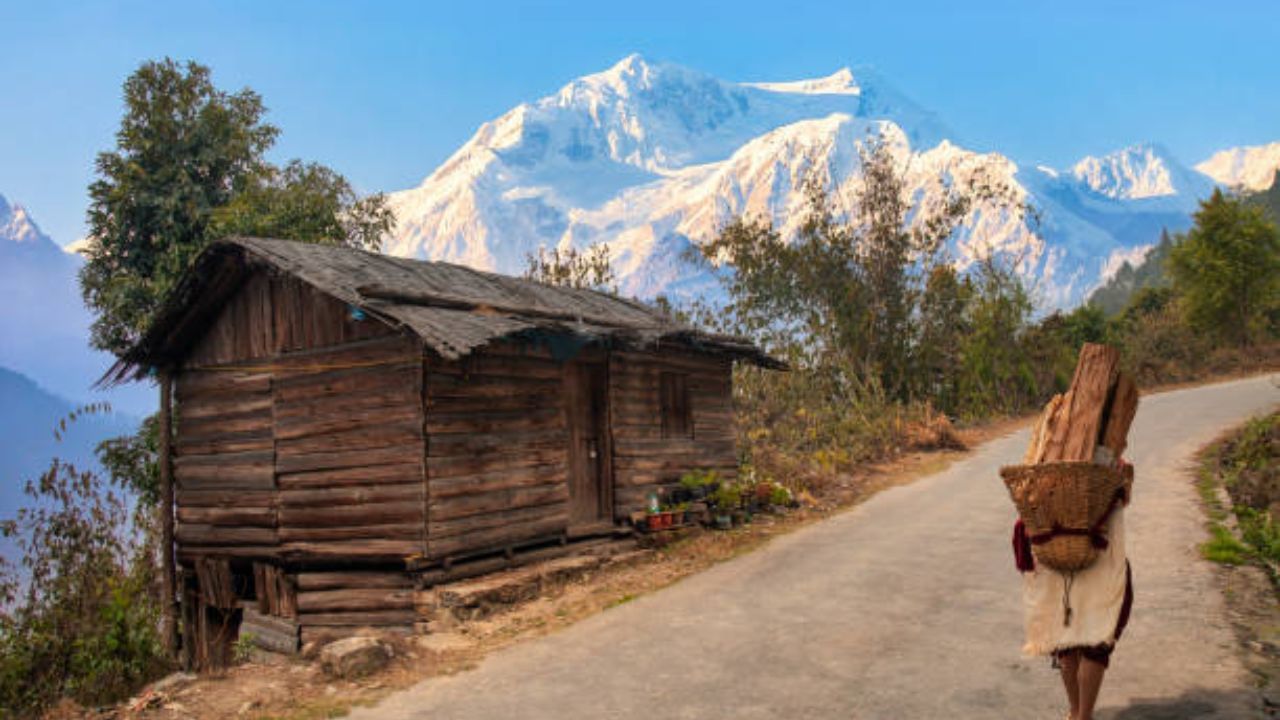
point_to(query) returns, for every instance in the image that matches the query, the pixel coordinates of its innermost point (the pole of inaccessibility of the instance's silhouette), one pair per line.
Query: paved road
(905, 607)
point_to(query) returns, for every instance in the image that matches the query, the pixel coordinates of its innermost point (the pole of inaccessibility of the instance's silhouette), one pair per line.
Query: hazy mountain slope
(27, 442)
(44, 326)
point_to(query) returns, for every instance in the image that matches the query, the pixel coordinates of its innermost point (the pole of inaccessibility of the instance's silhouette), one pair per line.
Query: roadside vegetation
(891, 346)
(1240, 484)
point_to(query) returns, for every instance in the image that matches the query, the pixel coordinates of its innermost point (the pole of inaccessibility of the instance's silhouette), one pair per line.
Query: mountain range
(653, 158)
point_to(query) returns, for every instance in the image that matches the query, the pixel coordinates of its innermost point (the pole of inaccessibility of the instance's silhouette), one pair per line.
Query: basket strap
(1097, 533)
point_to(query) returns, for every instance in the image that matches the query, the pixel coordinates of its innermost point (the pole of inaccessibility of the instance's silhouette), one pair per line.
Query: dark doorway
(586, 402)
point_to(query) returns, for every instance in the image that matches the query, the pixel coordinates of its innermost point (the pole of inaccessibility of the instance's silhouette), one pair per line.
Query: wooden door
(590, 468)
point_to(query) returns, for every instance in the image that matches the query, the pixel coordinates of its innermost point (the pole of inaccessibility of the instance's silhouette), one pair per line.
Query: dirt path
(905, 607)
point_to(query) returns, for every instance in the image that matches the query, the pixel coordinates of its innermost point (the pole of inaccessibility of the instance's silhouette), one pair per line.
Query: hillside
(28, 418)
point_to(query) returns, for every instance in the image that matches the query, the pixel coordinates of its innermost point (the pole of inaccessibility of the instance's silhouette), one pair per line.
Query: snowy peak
(840, 82)
(17, 226)
(1249, 167)
(1134, 173)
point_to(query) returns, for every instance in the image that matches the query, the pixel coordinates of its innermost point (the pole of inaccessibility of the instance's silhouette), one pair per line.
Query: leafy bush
(81, 607)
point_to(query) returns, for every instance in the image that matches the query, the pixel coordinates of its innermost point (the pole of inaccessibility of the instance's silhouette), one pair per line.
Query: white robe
(1096, 597)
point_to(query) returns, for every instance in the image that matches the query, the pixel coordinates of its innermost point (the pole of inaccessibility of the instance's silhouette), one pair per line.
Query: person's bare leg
(1069, 665)
(1090, 676)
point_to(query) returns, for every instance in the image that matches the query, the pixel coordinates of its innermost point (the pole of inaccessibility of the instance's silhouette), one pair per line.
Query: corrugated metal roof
(453, 309)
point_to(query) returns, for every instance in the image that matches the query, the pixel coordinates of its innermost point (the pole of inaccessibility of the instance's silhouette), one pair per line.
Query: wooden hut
(345, 421)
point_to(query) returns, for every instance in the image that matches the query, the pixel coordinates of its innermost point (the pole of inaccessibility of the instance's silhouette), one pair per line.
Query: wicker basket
(1071, 496)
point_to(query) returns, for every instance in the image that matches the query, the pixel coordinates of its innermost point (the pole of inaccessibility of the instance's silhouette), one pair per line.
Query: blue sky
(385, 91)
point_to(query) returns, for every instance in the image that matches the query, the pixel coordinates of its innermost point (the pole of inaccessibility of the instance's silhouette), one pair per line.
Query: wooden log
(448, 445)
(549, 514)
(294, 516)
(354, 599)
(1120, 413)
(1073, 432)
(462, 466)
(490, 422)
(446, 386)
(345, 550)
(218, 536)
(353, 495)
(193, 383)
(443, 489)
(373, 474)
(335, 421)
(363, 400)
(360, 460)
(499, 537)
(461, 506)
(408, 531)
(225, 498)
(398, 434)
(233, 516)
(368, 618)
(165, 508)
(315, 387)
(311, 581)
(219, 443)
(270, 633)
(229, 405)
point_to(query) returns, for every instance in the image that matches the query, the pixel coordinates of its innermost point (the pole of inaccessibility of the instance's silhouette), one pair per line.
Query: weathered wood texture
(497, 451)
(1097, 409)
(223, 465)
(349, 452)
(643, 458)
(337, 603)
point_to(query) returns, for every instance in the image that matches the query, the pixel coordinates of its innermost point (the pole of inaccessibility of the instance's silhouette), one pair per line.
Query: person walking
(1075, 618)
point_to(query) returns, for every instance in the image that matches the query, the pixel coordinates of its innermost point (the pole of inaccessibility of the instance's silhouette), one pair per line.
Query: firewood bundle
(1069, 483)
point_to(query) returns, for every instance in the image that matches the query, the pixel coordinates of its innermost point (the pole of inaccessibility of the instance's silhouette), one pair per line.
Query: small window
(677, 420)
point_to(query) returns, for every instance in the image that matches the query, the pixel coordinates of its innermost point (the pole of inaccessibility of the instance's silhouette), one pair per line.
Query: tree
(307, 202)
(184, 149)
(188, 168)
(1227, 270)
(589, 269)
(850, 286)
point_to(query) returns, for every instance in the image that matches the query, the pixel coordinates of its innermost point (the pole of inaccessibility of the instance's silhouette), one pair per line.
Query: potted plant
(727, 500)
(653, 521)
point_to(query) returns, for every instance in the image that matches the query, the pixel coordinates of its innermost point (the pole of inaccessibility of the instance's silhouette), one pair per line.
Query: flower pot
(654, 522)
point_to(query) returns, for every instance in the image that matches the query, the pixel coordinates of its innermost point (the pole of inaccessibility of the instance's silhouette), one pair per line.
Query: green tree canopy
(188, 167)
(1227, 270)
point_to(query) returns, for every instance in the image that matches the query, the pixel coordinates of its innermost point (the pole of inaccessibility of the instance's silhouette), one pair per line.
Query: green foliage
(242, 649)
(1268, 200)
(1227, 270)
(726, 497)
(189, 167)
(306, 202)
(133, 461)
(81, 609)
(569, 268)
(1247, 464)
(695, 479)
(1116, 293)
(1223, 547)
(184, 148)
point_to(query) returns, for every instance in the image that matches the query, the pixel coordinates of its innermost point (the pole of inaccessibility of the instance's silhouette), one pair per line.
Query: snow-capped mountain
(44, 325)
(1139, 172)
(651, 158)
(1251, 167)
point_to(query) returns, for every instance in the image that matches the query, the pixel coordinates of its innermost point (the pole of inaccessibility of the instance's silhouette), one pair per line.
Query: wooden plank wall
(497, 451)
(223, 465)
(299, 432)
(349, 452)
(643, 460)
(336, 603)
